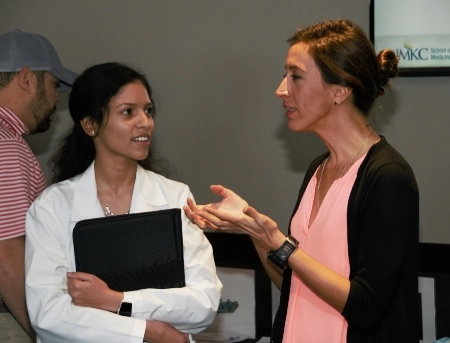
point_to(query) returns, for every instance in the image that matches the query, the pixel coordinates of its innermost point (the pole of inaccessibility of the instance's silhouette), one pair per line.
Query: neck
(357, 154)
(114, 176)
(347, 145)
(115, 188)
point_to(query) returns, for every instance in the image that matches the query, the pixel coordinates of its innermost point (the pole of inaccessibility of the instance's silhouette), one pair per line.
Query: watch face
(285, 250)
(279, 257)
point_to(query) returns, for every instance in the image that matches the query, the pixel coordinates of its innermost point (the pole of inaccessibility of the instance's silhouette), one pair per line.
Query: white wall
(215, 65)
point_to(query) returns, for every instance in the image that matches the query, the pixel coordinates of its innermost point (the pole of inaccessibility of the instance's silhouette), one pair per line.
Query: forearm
(12, 278)
(274, 273)
(160, 332)
(57, 319)
(327, 284)
(188, 309)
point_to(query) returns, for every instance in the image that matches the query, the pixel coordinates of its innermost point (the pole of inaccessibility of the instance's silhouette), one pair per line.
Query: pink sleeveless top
(309, 318)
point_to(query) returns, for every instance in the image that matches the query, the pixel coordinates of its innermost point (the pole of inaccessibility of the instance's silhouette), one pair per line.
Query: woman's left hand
(90, 291)
(249, 221)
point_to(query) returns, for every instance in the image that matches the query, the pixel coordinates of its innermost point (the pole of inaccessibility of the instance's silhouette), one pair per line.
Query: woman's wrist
(277, 240)
(114, 301)
(280, 256)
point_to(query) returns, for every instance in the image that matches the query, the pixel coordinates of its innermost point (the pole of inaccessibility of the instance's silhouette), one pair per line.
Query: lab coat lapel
(85, 202)
(147, 194)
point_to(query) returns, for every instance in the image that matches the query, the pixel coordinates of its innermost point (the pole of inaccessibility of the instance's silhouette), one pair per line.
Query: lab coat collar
(147, 195)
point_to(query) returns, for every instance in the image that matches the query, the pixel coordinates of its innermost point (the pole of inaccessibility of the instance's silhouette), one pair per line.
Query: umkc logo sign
(411, 54)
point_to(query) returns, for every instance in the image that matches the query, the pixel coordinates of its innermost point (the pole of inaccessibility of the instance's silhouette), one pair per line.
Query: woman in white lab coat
(102, 168)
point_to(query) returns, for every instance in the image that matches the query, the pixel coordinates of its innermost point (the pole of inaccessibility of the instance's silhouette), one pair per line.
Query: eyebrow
(294, 68)
(132, 104)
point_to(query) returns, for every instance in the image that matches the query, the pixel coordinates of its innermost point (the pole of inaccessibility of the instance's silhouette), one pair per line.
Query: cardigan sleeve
(383, 226)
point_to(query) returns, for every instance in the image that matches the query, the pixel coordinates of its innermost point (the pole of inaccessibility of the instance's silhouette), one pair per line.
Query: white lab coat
(49, 255)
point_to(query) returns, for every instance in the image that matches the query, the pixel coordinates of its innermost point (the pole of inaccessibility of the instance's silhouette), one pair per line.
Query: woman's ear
(90, 127)
(341, 93)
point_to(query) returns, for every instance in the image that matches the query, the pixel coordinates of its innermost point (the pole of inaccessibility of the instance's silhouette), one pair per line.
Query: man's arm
(12, 280)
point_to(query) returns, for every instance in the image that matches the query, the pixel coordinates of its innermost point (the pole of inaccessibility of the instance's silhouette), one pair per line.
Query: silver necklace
(107, 211)
(343, 170)
(354, 158)
(320, 180)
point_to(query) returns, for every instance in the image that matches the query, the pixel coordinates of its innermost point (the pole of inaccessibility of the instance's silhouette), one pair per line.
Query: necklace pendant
(108, 211)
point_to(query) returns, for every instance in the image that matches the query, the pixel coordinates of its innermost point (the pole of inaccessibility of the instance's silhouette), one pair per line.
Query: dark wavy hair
(90, 97)
(345, 56)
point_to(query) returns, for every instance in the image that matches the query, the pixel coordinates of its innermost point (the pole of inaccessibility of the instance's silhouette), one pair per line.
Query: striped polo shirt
(21, 176)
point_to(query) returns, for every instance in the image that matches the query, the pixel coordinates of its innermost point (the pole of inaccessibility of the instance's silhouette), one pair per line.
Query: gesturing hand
(234, 214)
(231, 202)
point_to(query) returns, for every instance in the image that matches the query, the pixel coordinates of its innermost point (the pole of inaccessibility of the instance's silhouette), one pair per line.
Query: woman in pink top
(348, 268)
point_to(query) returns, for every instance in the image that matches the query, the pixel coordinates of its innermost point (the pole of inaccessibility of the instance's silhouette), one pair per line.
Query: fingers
(197, 220)
(216, 216)
(259, 218)
(221, 190)
(77, 280)
(209, 225)
(191, 204)
(190, 210)
(161, 332)
(251, 212)
(217, 189)
(188, 213)
(191, 213)
(210, 214)
(216, 219)
(249, 221)
(266, 222)
(203, 223)
(80, 276)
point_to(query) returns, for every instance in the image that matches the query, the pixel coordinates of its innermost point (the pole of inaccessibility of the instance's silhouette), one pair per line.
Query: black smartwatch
(125, 309)
(280, 257)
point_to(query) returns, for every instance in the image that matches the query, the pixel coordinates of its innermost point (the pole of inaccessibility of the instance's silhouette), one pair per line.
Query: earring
(335, 102)
(93, 133)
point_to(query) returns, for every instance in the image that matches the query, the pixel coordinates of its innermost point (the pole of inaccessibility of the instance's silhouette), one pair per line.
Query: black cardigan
(383, 245)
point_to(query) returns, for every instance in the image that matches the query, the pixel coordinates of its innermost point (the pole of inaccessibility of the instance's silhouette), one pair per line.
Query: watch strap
(125, 309)
(280, 256)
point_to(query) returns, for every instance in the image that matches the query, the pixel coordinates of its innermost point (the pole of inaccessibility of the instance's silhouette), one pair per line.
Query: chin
(296, 128)
(42, 127)
(141, 157)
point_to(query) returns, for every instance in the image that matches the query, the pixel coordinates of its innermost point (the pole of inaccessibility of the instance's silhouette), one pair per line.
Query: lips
(289, 109)
(141, 139)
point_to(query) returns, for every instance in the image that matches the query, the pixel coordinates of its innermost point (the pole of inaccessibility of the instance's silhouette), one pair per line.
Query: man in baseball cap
(31, 75)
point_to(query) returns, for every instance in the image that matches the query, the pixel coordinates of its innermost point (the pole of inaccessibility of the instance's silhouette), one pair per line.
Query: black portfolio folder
(132, 251)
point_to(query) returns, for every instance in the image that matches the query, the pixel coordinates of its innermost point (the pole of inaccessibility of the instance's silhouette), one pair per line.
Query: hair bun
(388, 65)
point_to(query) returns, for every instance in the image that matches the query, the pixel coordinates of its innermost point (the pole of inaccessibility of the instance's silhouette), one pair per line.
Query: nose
(282, 91)
(145, 120)
(57, 97)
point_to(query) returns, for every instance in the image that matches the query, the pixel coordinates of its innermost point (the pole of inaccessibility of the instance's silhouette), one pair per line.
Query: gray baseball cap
(23, 49)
